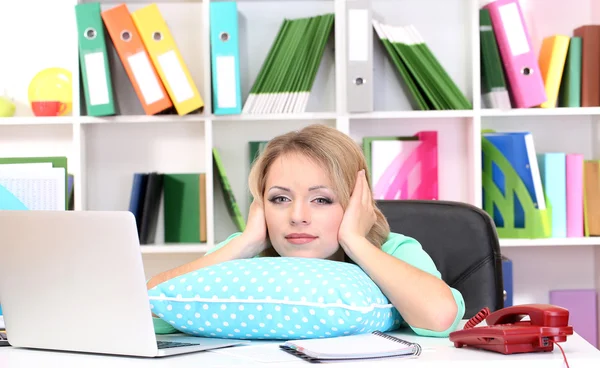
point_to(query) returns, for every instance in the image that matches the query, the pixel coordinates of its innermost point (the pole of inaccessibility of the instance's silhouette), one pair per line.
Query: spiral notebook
(375, 345)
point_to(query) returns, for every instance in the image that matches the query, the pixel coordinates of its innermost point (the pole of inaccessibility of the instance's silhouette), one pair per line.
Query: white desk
(437, 352)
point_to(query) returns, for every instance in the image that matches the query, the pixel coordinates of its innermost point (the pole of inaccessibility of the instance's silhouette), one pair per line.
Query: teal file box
(93, 60)
(553, 170)
(225, 58)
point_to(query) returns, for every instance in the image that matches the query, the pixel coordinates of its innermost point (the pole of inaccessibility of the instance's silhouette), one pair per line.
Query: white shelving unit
(104, 153)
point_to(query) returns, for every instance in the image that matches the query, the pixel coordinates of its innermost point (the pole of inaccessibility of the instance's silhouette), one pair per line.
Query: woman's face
(302, 211)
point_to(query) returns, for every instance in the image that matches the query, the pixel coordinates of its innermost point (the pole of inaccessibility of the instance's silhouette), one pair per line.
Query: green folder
(230, 201)
(429, 83)
(256, 148)
(569, 94)
(93, 60)
(288, 73)
(56, 162)
(493, 79)
(415, 90)
(181, 207)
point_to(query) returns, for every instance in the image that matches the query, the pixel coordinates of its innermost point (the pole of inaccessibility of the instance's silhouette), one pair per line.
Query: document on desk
(265, 352)
(374, 345)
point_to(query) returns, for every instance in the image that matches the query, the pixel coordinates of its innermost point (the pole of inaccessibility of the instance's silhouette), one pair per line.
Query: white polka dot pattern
(274, 298)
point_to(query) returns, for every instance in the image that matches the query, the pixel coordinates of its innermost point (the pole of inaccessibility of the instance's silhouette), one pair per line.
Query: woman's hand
(255, 233)
(359, 216)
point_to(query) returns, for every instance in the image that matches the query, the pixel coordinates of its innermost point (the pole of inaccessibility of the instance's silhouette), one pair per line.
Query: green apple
(7, 107)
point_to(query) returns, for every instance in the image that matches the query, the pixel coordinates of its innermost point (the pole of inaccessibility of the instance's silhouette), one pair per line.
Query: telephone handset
(507, 332)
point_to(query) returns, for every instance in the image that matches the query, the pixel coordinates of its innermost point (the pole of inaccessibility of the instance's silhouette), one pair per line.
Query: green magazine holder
(538, 223)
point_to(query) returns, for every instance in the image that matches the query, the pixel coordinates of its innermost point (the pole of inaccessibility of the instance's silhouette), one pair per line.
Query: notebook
(375, 345)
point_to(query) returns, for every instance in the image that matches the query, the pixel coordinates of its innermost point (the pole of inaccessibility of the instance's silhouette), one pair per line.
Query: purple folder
(582, 306)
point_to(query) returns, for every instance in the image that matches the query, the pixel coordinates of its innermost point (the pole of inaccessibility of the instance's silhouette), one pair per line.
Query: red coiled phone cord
(476, 319)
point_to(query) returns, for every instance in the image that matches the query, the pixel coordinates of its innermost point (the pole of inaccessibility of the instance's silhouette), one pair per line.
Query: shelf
(192, 118)
(560, 111)
(141, 119)
(414, 114)
(550, 242)
(272, 117)
(38, 120)
(175, 249)
(154, 119)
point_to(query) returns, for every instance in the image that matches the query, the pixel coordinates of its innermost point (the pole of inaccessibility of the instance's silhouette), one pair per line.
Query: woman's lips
(300, 238)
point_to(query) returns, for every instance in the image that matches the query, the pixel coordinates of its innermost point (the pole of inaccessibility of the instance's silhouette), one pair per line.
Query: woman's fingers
(357, 191)
(366, 193)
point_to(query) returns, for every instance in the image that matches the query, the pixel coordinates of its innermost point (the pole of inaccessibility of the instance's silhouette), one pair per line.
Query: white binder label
(358, 40)
(226, 95)
(175, 76)
(96, 78)
(515, 31)
(145, 77)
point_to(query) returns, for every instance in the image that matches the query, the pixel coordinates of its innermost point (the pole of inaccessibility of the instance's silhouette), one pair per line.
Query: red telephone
(506, 333)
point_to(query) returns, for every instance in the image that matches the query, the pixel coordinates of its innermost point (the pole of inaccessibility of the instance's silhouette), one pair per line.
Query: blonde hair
(335, 151)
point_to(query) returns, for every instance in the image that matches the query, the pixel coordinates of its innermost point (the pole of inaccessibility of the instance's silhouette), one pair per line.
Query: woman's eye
(279, 199)
(323, 201)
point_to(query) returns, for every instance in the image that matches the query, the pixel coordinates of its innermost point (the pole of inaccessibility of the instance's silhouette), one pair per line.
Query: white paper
(175, 76)
(357, 346)
(264, 353)
(27, 166)
(37, 188)
(535, 172)
(95, 71)
(145, 77)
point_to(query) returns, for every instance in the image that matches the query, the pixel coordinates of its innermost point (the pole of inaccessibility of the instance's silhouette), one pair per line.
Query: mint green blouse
(410, 251)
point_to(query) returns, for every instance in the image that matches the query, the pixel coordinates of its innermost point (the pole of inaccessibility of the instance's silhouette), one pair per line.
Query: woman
(312, 198)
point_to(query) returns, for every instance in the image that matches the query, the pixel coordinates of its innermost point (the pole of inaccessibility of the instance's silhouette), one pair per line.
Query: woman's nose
(300, 214)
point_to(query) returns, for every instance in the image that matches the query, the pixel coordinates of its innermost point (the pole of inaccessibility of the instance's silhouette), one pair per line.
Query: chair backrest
(462, 241)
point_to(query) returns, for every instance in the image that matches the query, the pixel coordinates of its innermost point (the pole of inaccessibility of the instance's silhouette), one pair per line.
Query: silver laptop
(74, 281)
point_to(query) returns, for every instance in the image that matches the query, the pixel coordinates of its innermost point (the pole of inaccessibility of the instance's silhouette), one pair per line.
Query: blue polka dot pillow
(274, 298)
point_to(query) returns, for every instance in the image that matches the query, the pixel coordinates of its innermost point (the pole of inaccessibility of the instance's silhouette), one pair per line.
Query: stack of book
(428, 82)
(287, 75)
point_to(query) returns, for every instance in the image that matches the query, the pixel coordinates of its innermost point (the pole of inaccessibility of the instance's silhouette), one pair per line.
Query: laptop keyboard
(3, 339)
(173, 344)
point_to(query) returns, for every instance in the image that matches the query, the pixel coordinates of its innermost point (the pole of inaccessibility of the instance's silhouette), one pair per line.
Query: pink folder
(412, 174)
(525, 83)
(574, 195)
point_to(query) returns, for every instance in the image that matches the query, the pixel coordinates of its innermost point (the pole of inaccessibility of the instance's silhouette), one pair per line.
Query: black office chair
(462, 241)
